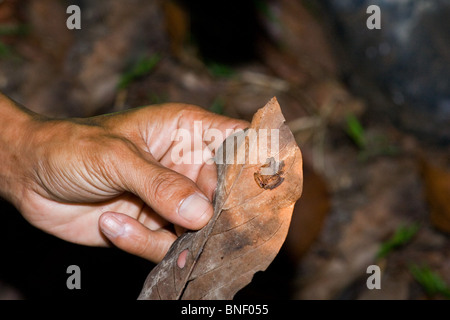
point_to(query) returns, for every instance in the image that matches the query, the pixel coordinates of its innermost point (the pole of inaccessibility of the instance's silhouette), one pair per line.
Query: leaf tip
(271, 110)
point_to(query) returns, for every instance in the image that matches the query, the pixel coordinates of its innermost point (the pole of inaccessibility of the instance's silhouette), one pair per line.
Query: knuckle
(115, 151)
(116, 146)
(150, 248)
(143, 246)
(165, 184)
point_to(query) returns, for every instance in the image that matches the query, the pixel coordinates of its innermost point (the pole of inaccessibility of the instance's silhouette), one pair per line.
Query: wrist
(17, 127)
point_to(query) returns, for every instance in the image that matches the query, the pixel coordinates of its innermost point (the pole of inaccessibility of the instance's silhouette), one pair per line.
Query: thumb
(172, 195)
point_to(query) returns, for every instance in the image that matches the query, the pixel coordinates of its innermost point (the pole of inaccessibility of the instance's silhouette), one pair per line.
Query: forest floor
(374, 194)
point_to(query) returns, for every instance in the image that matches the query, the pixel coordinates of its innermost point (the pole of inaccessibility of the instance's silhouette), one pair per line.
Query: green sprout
(369, 146)
(157, 98)
(217, 106)
(7, 51)
(14, 30)
(141, 68)
(220, 70)
(265, 10)
(401, 237)
(430, 281)
(356, 131)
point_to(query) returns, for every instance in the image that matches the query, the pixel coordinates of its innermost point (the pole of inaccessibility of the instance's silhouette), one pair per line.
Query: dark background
(231, 57)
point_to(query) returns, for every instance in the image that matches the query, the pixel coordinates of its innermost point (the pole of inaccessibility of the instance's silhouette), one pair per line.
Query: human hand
(113, 179)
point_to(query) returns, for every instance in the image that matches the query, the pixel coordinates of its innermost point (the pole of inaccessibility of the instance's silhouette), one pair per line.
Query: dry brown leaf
(301, 50)
(177, 25)
(252, 213)
(436, 175)
(309, 215)
(391, 201)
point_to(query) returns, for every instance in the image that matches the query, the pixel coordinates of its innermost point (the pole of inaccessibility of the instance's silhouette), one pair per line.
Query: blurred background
(370, 110)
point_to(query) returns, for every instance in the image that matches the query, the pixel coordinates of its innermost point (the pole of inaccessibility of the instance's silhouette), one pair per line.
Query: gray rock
(409, 57)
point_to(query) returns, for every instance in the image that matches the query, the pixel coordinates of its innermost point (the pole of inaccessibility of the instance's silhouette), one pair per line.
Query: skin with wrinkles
(108, 179)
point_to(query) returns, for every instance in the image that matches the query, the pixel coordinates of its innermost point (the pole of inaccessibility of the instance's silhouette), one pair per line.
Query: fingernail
(112, 226)
(194, 207)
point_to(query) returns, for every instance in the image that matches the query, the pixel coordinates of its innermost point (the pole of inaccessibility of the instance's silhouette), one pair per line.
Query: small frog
(270, 175)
